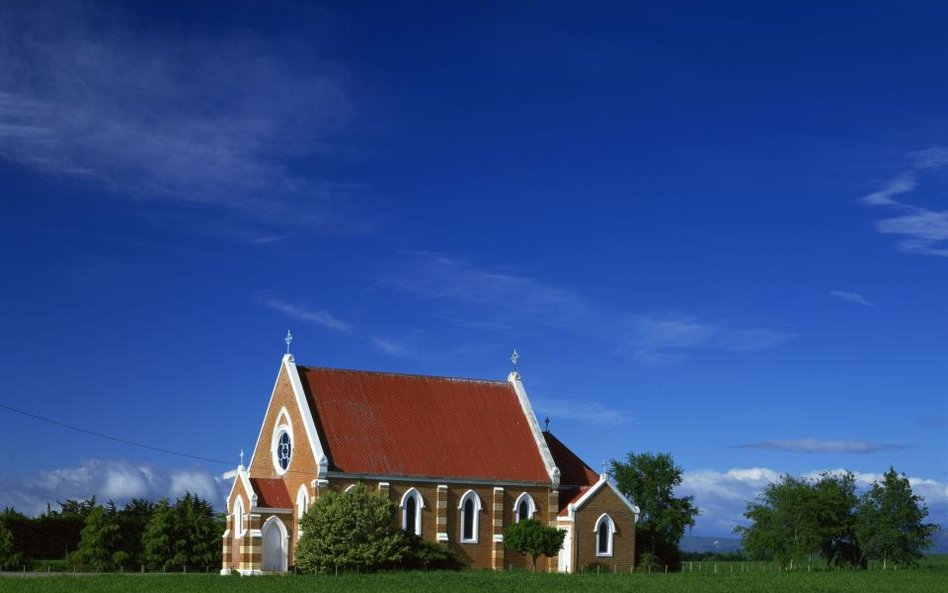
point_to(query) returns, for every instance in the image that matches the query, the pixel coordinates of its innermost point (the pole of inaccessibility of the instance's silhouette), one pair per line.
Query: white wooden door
(565, 557)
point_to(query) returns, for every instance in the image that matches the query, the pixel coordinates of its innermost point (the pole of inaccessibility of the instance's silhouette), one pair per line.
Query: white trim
(284, 544)
(531, 506)
(486, 482)
(475, 523)
(514, 379)
(603, 481)
(442, 536)
(499, 538)
(348, 488)
(316, 447)
(611, 527)
(238, 511)
(267, 510)
(283, 424)
(302, 505)
(263, 423)
(419, 504)
(288, 364)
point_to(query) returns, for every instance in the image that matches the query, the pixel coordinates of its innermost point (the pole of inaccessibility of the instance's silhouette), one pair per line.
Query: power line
(109, 437)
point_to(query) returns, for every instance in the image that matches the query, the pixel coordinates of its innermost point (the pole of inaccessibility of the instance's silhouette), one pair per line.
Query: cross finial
(288, 339)
(603, 465)
(241, 457)
(514, 358)
(547, 421)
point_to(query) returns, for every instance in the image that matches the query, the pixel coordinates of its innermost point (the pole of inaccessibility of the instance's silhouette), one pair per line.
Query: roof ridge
(412, 375)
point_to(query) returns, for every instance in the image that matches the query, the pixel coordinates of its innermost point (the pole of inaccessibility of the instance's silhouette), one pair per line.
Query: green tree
(532, 537)
(9, 557)
(889, 522)
(98, 544)
(784, 524)
(352, 530)
(158, 539)
(185, 534)
(834, 503)
(649, 481)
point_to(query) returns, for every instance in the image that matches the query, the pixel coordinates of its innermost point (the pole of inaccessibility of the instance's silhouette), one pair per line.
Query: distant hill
(697, 543)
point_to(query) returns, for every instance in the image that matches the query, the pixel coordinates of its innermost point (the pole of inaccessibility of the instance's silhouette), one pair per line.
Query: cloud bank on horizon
(722, 496)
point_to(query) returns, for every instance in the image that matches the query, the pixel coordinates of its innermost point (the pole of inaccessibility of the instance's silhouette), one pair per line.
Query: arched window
(524, 508)
(238, 517)
(281, 444)
(411, 505)
(470, 507)
(302, 505)
(605, 533)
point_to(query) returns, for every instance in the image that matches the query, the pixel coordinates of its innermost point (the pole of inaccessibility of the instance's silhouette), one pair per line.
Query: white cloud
(817, 446)
(924, 231)
(390, 346)
(851, 297)
(119, 480)
(187, 118)
(884, 197)
(320, 318)
(723, 496)
(661, 339)
(479, 297)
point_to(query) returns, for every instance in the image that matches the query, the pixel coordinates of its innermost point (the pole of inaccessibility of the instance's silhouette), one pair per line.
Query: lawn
(924, 580)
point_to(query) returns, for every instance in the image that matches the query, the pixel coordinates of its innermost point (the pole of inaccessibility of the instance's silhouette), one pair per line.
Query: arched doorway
(274, 546)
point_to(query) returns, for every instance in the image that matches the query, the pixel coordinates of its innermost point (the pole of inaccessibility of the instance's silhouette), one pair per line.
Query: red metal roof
(271, 493)
(408, 425)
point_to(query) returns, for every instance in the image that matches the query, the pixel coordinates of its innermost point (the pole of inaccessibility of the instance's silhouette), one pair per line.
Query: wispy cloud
(818, 446)
(924, 231)
(660, 339)
(851, 297)
(483, 298)
(119, 480)
(191, 119)
(320, 318)
(386, 345)
(722, 496)
(581, 410)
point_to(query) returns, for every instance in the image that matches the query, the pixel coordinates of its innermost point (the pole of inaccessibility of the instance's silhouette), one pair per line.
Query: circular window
(284, 449)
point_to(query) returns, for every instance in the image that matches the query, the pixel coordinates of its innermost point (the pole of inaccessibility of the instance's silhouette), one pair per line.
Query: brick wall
(584, 536)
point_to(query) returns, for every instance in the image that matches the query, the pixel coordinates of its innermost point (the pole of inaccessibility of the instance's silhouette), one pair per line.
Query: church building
(461, 458)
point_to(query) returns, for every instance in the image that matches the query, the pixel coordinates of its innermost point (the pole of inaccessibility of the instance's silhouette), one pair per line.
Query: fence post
(666, 569)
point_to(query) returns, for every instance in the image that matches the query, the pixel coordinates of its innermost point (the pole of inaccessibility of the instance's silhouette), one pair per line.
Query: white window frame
(302, 505)
(475, 523)
(605, 522)
(282, 425)
(531, 506)
(239, 517)
(419, 504)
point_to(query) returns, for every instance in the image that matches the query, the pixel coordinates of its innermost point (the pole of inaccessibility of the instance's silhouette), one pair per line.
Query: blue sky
(720, 232)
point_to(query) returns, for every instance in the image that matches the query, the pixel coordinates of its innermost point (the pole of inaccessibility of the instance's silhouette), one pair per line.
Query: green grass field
(930, 579)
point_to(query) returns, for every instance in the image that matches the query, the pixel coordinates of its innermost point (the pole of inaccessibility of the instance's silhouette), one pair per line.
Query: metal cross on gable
(241, 457)
(514, 358)
(288, 339)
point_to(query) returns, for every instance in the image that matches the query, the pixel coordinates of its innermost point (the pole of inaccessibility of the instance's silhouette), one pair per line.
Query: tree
(649, 480)
(185, 534)
(159, 537)
(834, 502)
(532, 537)
(783, 525)
(98, 543)
(352, 530)
(889, 522)
(9, 557)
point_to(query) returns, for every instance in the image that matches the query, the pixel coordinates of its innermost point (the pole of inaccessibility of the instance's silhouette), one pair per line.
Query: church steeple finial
(513, 359)
(288, 339)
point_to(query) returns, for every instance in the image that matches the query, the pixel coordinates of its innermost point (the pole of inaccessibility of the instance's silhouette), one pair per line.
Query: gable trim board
(603, 482)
